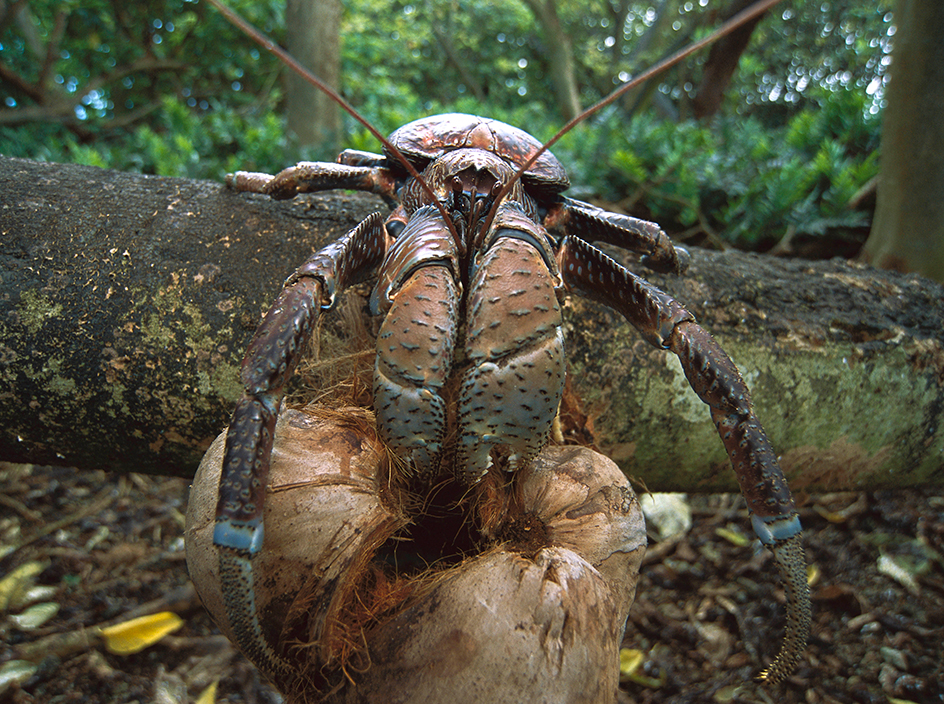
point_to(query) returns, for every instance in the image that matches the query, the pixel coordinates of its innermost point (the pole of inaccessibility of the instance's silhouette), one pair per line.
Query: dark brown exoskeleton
(474, 260)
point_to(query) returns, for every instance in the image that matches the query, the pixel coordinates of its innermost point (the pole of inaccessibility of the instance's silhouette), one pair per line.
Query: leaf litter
(107, 549)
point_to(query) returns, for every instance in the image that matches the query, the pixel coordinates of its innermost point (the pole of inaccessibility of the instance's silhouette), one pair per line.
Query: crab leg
(312, 176)
(269, 363)
(713, 376)
(574, 217)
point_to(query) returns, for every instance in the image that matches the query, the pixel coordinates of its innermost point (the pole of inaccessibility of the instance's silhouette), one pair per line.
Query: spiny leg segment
(273, 353)
(716, 380)
(574, 217)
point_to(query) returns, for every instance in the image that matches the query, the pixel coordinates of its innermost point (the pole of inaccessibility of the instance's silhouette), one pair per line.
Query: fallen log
(126, 302)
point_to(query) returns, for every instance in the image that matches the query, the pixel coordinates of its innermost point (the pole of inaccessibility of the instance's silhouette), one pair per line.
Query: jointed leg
(574, 217)
(718, 383)
(269, 363)
(773, 514)
(312, 176)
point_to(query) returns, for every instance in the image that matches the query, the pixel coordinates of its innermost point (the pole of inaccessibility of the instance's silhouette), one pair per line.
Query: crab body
(472, 264)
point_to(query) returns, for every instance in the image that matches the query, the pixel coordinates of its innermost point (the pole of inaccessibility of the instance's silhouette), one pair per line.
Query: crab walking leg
(713, 376)
(275, 349)
(791, 563)
(574, 217)
(773, 514)
(313, 176)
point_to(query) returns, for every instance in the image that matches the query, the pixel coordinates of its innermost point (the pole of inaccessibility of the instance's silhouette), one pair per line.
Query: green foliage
(159, 87)
(743, 180)
(169, 87)
(173, 143)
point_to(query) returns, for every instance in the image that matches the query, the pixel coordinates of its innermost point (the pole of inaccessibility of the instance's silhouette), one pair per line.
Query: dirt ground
(706, 617)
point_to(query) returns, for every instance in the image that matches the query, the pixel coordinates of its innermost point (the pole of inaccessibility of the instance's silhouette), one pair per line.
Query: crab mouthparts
(472, 196)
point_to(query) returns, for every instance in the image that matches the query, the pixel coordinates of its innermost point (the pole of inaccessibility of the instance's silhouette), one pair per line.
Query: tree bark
(722, 62)
(908, 230)
(126, 303)
(313, 36)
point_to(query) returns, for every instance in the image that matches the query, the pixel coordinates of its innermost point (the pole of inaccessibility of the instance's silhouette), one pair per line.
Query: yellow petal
(630, 660)
(208, 695)
(137, 634)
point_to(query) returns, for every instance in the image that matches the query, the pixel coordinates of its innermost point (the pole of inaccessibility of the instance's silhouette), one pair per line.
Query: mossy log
(126, 302)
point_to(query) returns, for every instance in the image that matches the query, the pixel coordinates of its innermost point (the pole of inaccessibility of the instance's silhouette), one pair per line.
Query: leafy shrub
(742, 180)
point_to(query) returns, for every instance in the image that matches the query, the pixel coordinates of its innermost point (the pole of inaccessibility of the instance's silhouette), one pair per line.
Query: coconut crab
(473, 261)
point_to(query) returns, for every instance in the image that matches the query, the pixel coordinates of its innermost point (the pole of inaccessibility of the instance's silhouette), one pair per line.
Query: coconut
(524, 595)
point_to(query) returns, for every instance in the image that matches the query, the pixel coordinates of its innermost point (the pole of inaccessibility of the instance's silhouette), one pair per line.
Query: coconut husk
(515, 590)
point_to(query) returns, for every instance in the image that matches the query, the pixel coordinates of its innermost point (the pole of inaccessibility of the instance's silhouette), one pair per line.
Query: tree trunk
(126, 303)
(445, 33)
(560, 57)
(313, 31)
(908, 230)
(722, 62)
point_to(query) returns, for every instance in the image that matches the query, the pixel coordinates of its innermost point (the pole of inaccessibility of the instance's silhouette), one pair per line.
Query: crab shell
(423, 140)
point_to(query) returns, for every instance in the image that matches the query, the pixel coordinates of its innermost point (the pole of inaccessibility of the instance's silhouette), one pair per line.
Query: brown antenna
(309, 76)
(742, 17)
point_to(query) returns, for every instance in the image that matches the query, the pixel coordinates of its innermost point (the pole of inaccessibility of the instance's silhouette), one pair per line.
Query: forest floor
(707, 615)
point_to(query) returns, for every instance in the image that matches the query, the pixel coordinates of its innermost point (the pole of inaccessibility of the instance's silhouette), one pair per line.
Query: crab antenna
(298, 68)
(740, 18)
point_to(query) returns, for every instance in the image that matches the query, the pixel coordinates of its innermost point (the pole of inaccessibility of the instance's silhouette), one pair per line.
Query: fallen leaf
(630, 663)
(733, 536)
(727, 694)
(208, 695)
(812, 574)
(900, 570)
(667, 515)
(15, 585)
(137, 634)
(630, 660)
(14, 671)
(35, 616)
